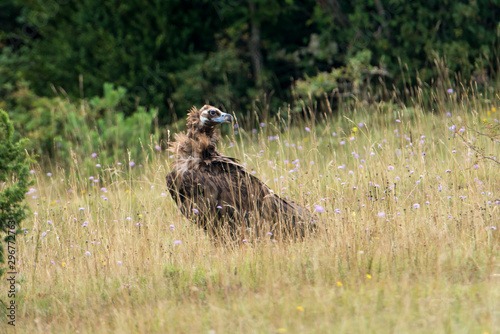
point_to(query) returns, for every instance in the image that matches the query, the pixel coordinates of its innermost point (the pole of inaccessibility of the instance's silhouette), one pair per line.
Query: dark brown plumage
(219, 194)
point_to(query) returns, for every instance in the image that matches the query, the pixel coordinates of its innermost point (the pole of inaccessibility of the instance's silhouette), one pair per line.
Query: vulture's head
(206, 118)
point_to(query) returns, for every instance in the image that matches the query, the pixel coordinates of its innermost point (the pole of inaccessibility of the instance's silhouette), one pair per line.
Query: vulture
(219, 195)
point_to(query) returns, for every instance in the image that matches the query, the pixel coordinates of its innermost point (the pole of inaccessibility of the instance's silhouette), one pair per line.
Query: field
(409, 205)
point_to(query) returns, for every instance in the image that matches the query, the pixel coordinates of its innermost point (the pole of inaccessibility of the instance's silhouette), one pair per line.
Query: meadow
(409, 204)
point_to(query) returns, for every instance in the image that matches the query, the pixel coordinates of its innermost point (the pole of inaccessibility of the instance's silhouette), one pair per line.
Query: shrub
(352, 79)
(14, 178)
(63, 131)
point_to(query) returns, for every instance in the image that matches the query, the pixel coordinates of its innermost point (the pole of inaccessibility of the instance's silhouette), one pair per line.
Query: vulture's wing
(223, 193)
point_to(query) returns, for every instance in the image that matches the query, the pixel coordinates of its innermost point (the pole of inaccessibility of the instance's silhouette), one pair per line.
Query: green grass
(379, 264)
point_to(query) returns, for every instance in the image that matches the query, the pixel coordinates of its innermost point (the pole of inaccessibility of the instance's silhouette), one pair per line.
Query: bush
(14, 178)
(63, 132)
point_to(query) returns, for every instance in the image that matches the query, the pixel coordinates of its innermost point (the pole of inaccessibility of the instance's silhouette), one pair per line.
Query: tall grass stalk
(409, 239)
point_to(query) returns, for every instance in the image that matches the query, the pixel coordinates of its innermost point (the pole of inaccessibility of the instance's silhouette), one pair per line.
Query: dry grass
(410, 241)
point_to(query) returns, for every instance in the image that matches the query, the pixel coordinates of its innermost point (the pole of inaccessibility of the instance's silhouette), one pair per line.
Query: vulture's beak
(223, 118)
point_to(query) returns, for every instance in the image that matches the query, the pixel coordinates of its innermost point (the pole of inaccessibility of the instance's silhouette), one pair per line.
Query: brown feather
(220, 195)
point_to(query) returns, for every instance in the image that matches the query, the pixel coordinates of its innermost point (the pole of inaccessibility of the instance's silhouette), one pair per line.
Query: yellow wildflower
(300, 308)
(355, 129)
(339, 283)
(281, 330)
(368, 276)
(127, 191)
(63, 264)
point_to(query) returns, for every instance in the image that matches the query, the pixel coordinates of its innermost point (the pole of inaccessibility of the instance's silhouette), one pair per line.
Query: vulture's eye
(213, 112)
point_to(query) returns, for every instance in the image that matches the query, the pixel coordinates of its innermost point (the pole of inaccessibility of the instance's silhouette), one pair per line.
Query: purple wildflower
(319, 208)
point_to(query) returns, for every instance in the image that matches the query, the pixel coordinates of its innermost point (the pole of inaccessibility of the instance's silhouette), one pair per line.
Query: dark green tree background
(175, 54)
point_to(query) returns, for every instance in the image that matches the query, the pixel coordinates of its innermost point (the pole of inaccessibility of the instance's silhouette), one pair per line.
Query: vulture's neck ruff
(199, 144)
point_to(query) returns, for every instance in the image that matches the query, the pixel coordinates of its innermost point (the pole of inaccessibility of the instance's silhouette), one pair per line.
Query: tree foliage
(173, 54)
(14, 178)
